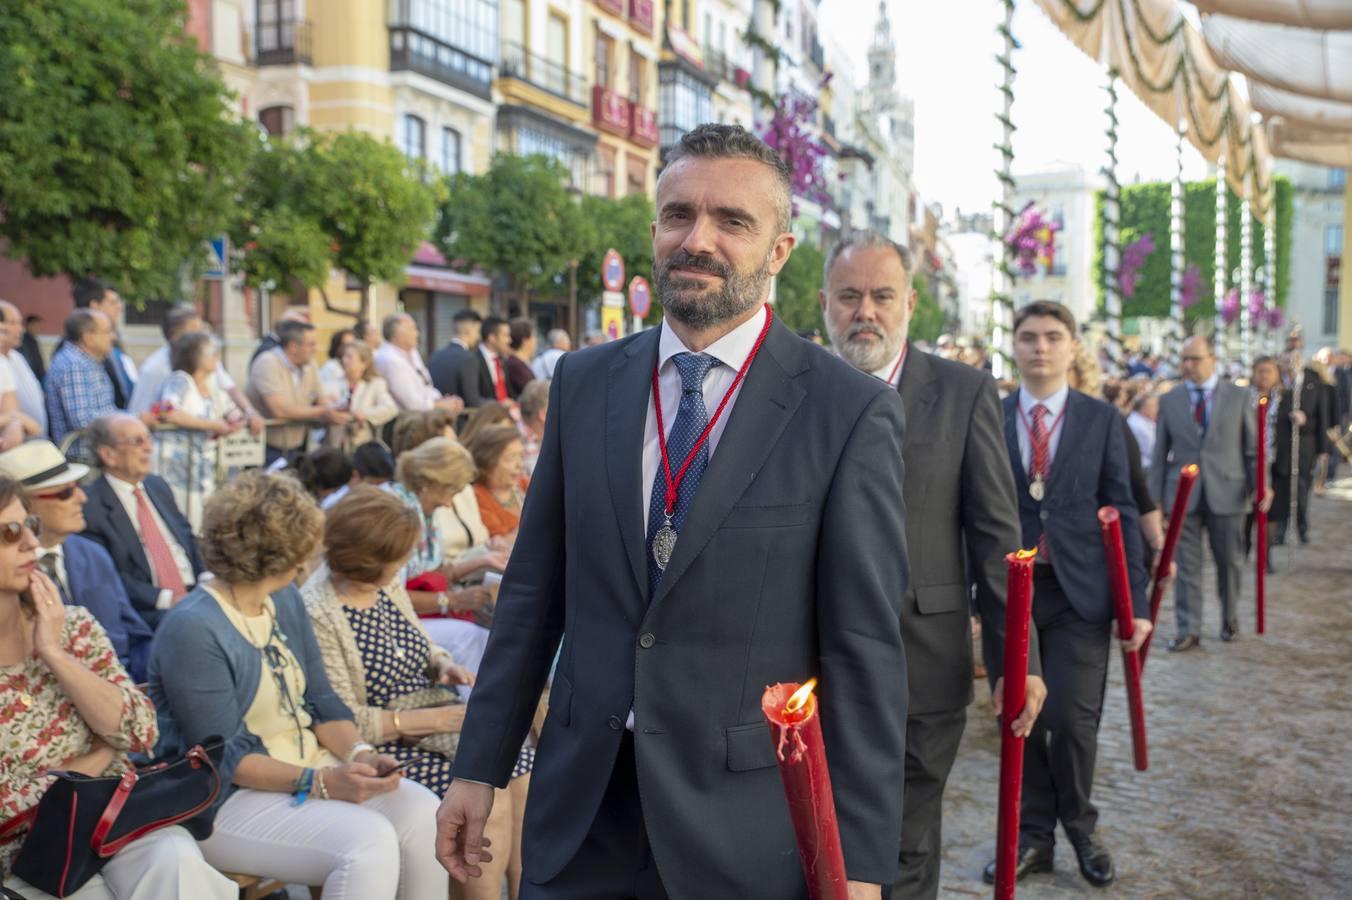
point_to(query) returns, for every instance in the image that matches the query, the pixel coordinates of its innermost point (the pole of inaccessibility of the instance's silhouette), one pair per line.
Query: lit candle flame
(1262, 401)
(1025, 554)
(1191, 469)
(800, 696)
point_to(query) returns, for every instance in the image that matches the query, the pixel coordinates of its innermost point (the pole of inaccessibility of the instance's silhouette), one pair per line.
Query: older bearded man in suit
(962, 519)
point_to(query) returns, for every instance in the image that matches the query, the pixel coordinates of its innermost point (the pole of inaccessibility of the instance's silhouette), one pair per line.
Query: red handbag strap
(24, 818)
(197, 757)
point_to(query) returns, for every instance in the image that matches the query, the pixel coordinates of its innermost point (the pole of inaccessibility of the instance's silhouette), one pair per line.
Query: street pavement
(1249, 790)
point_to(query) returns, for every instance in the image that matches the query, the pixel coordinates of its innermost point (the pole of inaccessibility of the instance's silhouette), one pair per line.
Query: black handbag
(80, 822)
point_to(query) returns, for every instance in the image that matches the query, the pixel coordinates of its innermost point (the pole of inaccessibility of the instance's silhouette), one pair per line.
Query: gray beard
(868, 358)
(741, 292)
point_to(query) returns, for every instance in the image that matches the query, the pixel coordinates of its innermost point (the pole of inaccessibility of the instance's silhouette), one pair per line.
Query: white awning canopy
(1329, 14)
(1303, 60)
(1298, 109)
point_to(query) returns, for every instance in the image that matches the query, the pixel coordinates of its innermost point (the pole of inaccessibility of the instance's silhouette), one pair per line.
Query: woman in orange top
(498, 454)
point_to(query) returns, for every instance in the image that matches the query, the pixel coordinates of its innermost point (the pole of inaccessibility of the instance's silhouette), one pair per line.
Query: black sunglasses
(11, 532)
(64, 494)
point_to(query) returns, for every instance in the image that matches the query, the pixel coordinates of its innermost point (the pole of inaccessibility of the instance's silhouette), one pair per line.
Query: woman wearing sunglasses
(309, 801)
(67, 703)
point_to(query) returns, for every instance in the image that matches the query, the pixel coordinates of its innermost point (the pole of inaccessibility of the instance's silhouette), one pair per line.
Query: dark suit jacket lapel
(1061, 458)
(919, 389)
(122, 525)
(627, 399)
(763, 408)
(162, 498)
(1011, 405)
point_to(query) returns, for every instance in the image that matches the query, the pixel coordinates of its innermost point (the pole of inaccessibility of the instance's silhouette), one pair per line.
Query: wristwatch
(443, 603)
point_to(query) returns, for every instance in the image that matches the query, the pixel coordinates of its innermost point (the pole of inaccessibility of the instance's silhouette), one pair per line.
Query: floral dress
(40, 729)
(186, 458)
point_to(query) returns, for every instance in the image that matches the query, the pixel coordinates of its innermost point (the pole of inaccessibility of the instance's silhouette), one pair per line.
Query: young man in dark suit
(1069, 458)
(961, 518)
(777, 554)
(132, 513)
(455, 367)
(495, 341)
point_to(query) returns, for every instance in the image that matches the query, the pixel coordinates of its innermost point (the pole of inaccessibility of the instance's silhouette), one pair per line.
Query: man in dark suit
(961, 515)
(1069, 458)
(81, 569)
(1208, 421)
(133, 515)
(455, 367)
(1309, 411)
(779, 554)
(495, 341)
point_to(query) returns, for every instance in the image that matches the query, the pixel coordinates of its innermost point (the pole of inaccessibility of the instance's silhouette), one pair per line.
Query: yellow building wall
(619, 82)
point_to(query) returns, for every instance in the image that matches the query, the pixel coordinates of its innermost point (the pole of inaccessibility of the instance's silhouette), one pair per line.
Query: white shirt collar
(59, 551)
(731, 349)
(488, 354)
(1055, 403)
(1209, 385)
(124, 489)
(886, 372)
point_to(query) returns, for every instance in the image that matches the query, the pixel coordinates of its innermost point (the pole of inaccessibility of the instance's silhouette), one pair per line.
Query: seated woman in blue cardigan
(309, 802)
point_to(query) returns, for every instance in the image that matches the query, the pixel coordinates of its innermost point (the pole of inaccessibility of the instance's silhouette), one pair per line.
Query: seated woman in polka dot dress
(376, 650)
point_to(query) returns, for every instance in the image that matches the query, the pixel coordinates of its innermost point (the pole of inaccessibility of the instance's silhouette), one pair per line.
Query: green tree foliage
(797, 288)
(313, 202)
(927, 321)
(118, 154)
(1145, 208)
(626, 225)
(517, 219)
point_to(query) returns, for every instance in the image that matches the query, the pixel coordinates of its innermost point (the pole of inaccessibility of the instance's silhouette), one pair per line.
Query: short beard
(741, 291)
(865, 358)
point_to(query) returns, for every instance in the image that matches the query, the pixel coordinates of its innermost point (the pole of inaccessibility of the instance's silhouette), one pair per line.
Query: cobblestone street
(1249, 787)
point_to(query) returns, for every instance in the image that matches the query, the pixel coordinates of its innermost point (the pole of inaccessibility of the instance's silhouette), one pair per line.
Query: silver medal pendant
(664, 544)
(1036, 490)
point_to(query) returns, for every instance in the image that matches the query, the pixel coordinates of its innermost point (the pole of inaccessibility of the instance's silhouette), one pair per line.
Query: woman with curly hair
(308, 801)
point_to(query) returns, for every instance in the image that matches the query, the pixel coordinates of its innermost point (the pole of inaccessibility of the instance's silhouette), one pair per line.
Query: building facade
(1066, 196)
(1317, 240)
(620, 53)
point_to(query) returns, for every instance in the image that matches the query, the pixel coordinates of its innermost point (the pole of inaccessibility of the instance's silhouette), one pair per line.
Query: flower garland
(1032, 238)
(1134, 256)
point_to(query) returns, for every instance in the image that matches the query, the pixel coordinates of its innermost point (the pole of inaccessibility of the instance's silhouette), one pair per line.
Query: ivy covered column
(1273, 312)
(1221, 264)
(1002, 300)
(1112, 216)
(1246, 276)
(1177, 329)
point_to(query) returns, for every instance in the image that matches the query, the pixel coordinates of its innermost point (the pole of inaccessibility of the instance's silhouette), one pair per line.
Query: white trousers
(163, 865)
(465, 640)
(382, 849)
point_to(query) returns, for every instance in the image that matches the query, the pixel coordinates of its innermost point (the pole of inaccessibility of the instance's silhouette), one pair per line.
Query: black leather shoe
(1031, 861)
(1096, 864)
(1228, 633)
(1304, 538)
(1185, 643)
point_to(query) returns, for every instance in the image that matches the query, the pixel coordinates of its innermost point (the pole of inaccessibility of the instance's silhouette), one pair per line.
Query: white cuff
(165, 600)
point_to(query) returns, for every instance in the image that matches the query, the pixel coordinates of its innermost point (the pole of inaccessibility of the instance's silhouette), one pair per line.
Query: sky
(946, 61)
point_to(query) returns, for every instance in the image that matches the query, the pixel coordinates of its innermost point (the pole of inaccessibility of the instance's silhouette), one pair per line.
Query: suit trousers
(615, 861)
(1281, 503)
(1225, 535)
(1058, 760)
(931, 747)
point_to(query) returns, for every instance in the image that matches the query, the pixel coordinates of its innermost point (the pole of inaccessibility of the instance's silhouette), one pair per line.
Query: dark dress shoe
(1182, 644)
(1030, 861)
(1304, 538)
(1228, 633)
(1096, 864)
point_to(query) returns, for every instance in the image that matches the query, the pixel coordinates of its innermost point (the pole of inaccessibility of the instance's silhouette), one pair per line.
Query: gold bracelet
(398, 729)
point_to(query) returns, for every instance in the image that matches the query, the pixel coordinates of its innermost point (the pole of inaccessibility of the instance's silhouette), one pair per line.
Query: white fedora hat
(38, 464)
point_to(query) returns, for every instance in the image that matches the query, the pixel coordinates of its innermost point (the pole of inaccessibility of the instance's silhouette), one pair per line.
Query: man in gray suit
(961, 520)
(692, 535)
(1208, 421)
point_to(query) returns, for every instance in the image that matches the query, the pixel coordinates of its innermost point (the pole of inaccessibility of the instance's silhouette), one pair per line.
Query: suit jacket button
(615, 723)
(646, 640)
(1043, 515)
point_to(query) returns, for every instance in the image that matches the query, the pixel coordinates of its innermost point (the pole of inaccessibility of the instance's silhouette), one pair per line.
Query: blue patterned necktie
(691, 419)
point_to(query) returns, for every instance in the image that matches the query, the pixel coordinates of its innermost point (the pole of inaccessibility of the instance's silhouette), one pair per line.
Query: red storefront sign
(643, 126)
(610, 111)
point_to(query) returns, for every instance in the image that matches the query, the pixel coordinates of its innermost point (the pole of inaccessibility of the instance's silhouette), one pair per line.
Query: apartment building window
(637, 77)
(605, 169)
(277, 120)
(707, 36)
(1338, 178)
(413, 137)
(450, 151)
(469, 25)
(603, 48)
(1333, 240)
(556, 40)
(684, 102)
(514, 22)
(637, 172)
(1330, 310)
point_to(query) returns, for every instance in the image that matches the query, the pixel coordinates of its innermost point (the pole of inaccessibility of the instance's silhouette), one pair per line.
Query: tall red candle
(796, 729)
(1187, 477)
(1110, 524)
(1018, 616)
(1260, 522)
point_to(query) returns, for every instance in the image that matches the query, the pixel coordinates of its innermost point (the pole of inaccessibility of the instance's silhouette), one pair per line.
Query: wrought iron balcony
(285, 42)
(413, 51)
(518, 62)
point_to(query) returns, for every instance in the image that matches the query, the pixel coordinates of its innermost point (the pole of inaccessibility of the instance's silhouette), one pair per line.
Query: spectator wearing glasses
(307, 800)
(401, 365)
(78, 387)
(132, 513)
(71, 705)
(284, 384)
(80, 569)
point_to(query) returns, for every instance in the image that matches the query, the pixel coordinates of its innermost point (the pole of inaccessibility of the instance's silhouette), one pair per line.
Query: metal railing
(283, 42)
(518, 62)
